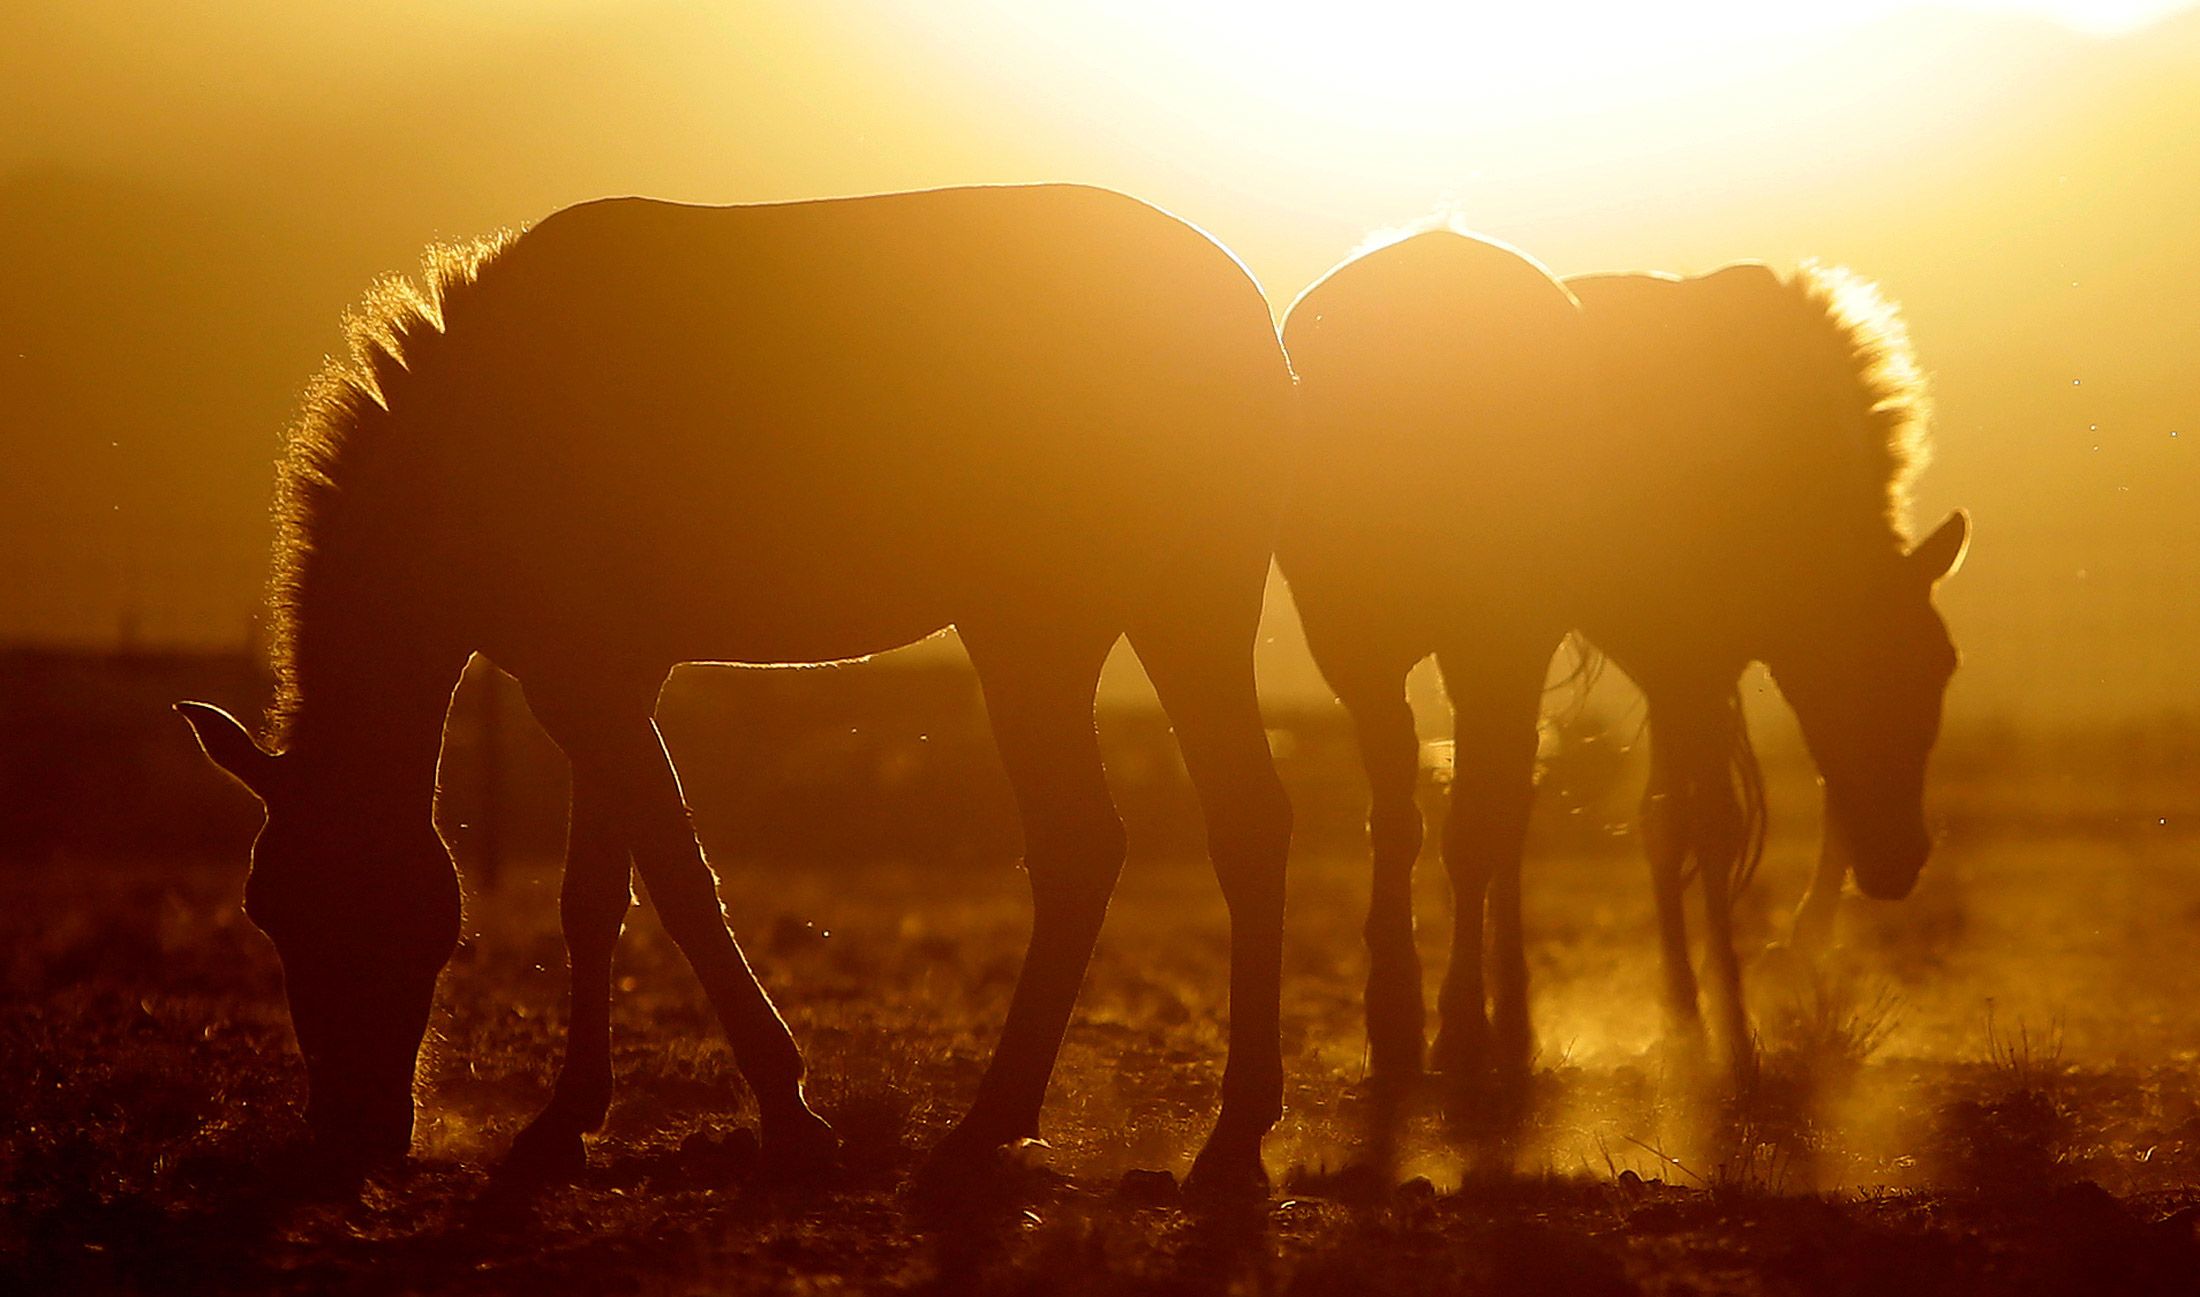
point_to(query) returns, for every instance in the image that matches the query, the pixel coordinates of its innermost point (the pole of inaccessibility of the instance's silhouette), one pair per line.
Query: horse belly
(671, 579)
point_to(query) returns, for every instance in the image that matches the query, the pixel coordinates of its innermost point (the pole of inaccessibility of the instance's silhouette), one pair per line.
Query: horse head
(362, 906)
(1865, 665)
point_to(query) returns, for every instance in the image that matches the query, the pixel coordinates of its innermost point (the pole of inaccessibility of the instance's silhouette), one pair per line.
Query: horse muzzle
(1887, 869)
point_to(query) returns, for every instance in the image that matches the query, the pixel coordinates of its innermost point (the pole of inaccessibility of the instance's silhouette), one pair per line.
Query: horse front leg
(1694, 808)
(1202, 670)
(684, 890)
(1039, 683)
(1811, 934)
(1496, 703)
(597, 890)
(1512, 1033)
(627, 792)
(1391, 751)
(1720, 834)
(1666, 814)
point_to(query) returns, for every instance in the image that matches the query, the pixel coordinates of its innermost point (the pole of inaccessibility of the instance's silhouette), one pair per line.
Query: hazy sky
(193, 193)
(68, 60)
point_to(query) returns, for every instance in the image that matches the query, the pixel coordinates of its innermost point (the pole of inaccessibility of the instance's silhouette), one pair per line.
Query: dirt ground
(1993, 1089)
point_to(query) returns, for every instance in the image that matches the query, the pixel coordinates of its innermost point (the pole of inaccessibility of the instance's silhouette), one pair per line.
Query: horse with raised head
(1694, 474)
(644, 433)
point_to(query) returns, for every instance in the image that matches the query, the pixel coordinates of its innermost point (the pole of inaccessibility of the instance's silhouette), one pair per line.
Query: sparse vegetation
(1879, 1147)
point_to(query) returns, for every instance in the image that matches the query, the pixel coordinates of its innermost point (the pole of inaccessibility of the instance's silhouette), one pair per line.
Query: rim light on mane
(1897, 405)
(385, 333)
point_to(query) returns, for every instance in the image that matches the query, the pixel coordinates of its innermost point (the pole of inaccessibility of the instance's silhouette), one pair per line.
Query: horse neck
(1817, 559)
(1696, 603)
(371, 697)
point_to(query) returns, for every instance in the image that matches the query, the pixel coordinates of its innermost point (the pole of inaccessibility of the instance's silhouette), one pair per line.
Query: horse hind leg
(597, 890)
(615, 746)
(1720, 832)
(1791, 963)
(1665, 816)
(1512, 1033)
(1202, 669)
(1692, 807)
(1811, 935)
(1391, 751)
(1497, 702)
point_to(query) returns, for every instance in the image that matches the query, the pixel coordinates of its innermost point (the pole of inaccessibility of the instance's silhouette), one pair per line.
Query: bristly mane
(1869, 363)
(1874, 345)
(346, 405)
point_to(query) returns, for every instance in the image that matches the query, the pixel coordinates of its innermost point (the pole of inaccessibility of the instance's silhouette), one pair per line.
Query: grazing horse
(1694, 474)
(644, 433)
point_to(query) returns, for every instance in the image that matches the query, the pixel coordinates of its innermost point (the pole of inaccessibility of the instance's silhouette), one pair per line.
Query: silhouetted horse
(1695, 474)
(643, 433)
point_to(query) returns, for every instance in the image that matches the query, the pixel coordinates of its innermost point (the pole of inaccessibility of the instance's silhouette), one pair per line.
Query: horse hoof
(1737, 1053)
(545, 1154)
(1685, 1049)
(1388, 1087)
(965, 1167)
(1784, 961)
(311, 1172)
(802, 1148)
(1226, 1175)
(1512, 1052)
(1395, 1063)
(1458, 1055)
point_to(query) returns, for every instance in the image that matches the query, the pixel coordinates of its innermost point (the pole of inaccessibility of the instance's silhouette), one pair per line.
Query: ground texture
(1994, 1088)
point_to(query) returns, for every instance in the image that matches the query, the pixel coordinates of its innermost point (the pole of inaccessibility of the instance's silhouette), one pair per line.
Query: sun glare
(1387, 106)
(1409, 66)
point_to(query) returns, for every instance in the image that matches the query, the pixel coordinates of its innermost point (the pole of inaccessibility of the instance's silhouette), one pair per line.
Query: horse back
(906, 401)
(1698, 377)
(1439, 377)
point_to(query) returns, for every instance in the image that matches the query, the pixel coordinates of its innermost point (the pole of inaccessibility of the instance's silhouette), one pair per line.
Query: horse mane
(1442, 219)
(1864, 331)
(346, 408)
(1855, 333)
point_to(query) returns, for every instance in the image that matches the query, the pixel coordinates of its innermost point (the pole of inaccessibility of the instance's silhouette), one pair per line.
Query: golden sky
(189, 196)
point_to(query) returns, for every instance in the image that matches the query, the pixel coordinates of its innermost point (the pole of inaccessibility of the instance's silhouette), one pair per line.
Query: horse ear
(227, 745)
(1941, 553)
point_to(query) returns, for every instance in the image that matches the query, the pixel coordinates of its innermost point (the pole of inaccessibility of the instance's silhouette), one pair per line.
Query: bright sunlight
(1376, 97)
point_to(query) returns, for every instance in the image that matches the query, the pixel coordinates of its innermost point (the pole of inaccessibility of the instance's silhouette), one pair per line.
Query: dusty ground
(1995, 1091)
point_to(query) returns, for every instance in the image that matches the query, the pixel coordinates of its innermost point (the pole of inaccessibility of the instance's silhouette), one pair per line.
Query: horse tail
(1580, 678)
(1748, 775)
(1746, 778)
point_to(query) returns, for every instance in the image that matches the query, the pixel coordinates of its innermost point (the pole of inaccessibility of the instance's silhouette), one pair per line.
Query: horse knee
(687, 904)
(1250, 842)
(1256, 827)
(695, 924)
(1395, 832)
(1477, 843)
(1663, 815)
(1395, 835)
(1719, 824)
(1470, 870)
(1075, 858)
(1492, 793)
(592, 910)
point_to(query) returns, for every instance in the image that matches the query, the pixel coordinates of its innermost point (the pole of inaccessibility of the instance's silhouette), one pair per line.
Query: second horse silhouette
(641, 434)
(1695, 474)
